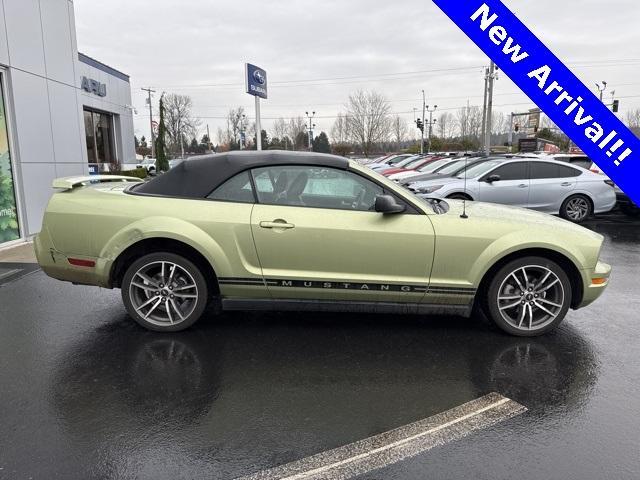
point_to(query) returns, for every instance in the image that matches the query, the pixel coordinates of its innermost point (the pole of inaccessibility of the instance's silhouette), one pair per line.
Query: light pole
(311, 127)
(424, 118)
(242, 131)
(431, 123)
(601, 88)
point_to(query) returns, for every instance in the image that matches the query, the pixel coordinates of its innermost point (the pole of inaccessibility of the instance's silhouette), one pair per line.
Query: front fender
(517, 241)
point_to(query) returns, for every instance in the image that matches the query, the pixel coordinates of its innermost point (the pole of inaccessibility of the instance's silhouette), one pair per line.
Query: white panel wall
(67, 135)
(32, 120)
(24, 31)
(36, 186)
(4, 48)
(60, 58)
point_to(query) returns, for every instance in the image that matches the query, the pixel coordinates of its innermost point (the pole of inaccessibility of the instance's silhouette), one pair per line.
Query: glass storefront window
(98, 128)
(9, 229)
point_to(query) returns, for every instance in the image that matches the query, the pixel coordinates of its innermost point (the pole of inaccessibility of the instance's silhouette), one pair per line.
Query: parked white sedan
(549, 186)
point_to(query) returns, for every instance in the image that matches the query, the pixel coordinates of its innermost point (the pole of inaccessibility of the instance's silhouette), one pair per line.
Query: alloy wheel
(163, 293)
(577, 208)
(530, 297)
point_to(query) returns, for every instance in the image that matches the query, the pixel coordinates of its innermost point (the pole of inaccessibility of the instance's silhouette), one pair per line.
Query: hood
(516, 215)
(438, 180)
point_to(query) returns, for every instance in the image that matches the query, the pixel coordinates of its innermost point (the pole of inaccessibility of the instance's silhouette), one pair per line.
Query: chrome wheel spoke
(530, 309)
(509, 297)
(523, 312)
(540, 290)
(185, 295)
(513, 274)
(153, 308)
(548, 302)
(511, 305)
(147, 279)
(175, 307)
(544, 309)
(184, 287)
(143, 286)
(152, 299)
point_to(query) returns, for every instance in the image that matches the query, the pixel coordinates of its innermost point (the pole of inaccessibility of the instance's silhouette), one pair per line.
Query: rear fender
(171, 228)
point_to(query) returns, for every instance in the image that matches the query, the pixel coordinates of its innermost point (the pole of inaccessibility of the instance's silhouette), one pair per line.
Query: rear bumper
(56, 264)
(624, 201)
(596, 280)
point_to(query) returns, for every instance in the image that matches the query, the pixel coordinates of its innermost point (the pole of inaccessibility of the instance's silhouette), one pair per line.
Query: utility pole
(311, 127)
(424, 106)
(153, 137)
(487, 140)
(484, 104)
(243, 134)
(208, 138)
(431, 123)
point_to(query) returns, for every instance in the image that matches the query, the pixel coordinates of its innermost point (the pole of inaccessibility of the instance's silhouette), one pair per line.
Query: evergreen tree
(321, 143)
(162, 164)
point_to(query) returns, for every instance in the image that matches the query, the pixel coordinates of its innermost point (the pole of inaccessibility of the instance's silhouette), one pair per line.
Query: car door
(318, 237)
(511, 186)
(226, 218)
(550, 184)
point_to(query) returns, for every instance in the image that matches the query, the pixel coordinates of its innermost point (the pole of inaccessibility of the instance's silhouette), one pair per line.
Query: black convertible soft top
(198, 176)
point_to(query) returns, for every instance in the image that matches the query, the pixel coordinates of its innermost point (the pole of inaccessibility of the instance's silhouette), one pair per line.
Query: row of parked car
(567, 185)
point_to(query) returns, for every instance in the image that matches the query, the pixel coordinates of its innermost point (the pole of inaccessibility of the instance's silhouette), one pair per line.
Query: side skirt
(287, 305)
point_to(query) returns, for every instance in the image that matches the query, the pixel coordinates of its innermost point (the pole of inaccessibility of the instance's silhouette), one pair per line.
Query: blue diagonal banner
(552, 87)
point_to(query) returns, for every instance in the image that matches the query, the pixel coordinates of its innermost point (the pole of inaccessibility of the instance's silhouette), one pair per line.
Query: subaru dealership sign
(256, 81)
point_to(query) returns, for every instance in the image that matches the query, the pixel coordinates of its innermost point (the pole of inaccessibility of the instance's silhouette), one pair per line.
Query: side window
(237, 189)
(317, 187)
(512, 171)
(564, 172)
(540, 170)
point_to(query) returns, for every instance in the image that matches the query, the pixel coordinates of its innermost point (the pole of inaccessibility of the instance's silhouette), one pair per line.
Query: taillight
(81, 262)
(610, 183)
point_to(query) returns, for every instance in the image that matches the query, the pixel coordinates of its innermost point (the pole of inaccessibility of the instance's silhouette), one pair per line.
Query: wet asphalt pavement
(86, 393)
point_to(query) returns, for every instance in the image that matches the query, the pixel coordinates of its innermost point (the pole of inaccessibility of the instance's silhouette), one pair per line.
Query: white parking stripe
(395, 445)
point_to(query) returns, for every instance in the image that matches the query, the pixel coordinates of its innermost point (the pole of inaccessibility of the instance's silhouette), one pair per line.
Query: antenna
(464, 200)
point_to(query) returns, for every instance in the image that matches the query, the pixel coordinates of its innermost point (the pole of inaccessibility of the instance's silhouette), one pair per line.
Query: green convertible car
(302, 231)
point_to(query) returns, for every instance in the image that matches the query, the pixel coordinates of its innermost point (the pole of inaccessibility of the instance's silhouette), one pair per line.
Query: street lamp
(311, 127)
(601, 88)
(431, 123)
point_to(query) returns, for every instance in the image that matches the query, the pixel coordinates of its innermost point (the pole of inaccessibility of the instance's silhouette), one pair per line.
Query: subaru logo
(258, 76)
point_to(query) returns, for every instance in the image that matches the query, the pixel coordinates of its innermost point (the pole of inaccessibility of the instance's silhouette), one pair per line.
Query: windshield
(433, 166)
(451, 168)
(480, 168)
(405, 161)
(398, 159)
(414, 163)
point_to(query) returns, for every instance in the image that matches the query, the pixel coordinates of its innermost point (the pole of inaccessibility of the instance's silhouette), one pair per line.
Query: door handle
(566, 184)
(523, 185)
(278, 223)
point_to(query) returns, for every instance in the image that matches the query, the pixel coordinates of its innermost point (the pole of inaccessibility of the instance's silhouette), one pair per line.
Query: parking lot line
(398, 444)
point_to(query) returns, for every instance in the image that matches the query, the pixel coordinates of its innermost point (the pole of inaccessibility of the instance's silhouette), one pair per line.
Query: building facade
(62, 113)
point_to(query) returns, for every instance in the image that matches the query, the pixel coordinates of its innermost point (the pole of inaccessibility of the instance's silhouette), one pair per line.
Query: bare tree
(281, 132)
(368, 119)
(633, 121)
(179, 121)
(499, 123)
(400, 130)
(340, 130)
(297, 133)
(446, 125)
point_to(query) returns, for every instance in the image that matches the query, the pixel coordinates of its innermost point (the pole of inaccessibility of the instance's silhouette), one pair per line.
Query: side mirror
(388, 204)
(493, 178)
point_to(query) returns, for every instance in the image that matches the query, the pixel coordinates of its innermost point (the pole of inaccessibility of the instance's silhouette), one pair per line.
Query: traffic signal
(420, 125)
(616, 104)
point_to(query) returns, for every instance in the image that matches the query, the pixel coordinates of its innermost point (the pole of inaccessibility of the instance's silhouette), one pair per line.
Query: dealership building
(62, 113)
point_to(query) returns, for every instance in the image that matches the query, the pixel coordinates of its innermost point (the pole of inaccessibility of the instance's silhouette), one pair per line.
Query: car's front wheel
(528, 296)
(164, 292)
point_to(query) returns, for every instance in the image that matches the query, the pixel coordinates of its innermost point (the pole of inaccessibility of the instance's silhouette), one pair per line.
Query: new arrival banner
(552, 87)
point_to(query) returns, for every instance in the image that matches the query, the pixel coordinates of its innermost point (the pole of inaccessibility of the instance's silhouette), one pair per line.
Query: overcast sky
(199, 48)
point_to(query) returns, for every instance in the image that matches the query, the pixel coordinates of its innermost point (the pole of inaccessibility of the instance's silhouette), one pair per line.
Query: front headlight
(430, 189)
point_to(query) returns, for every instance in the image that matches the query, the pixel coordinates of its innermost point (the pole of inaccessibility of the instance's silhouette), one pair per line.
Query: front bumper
(596, 280)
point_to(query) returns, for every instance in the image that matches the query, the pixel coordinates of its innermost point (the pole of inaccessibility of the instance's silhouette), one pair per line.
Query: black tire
(535, 320)
(576, 208)
(459, 196)
(174, 310)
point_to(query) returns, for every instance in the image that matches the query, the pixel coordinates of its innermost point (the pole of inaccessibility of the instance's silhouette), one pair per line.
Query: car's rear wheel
(164, 292)
(576, 208)
(529, 296)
